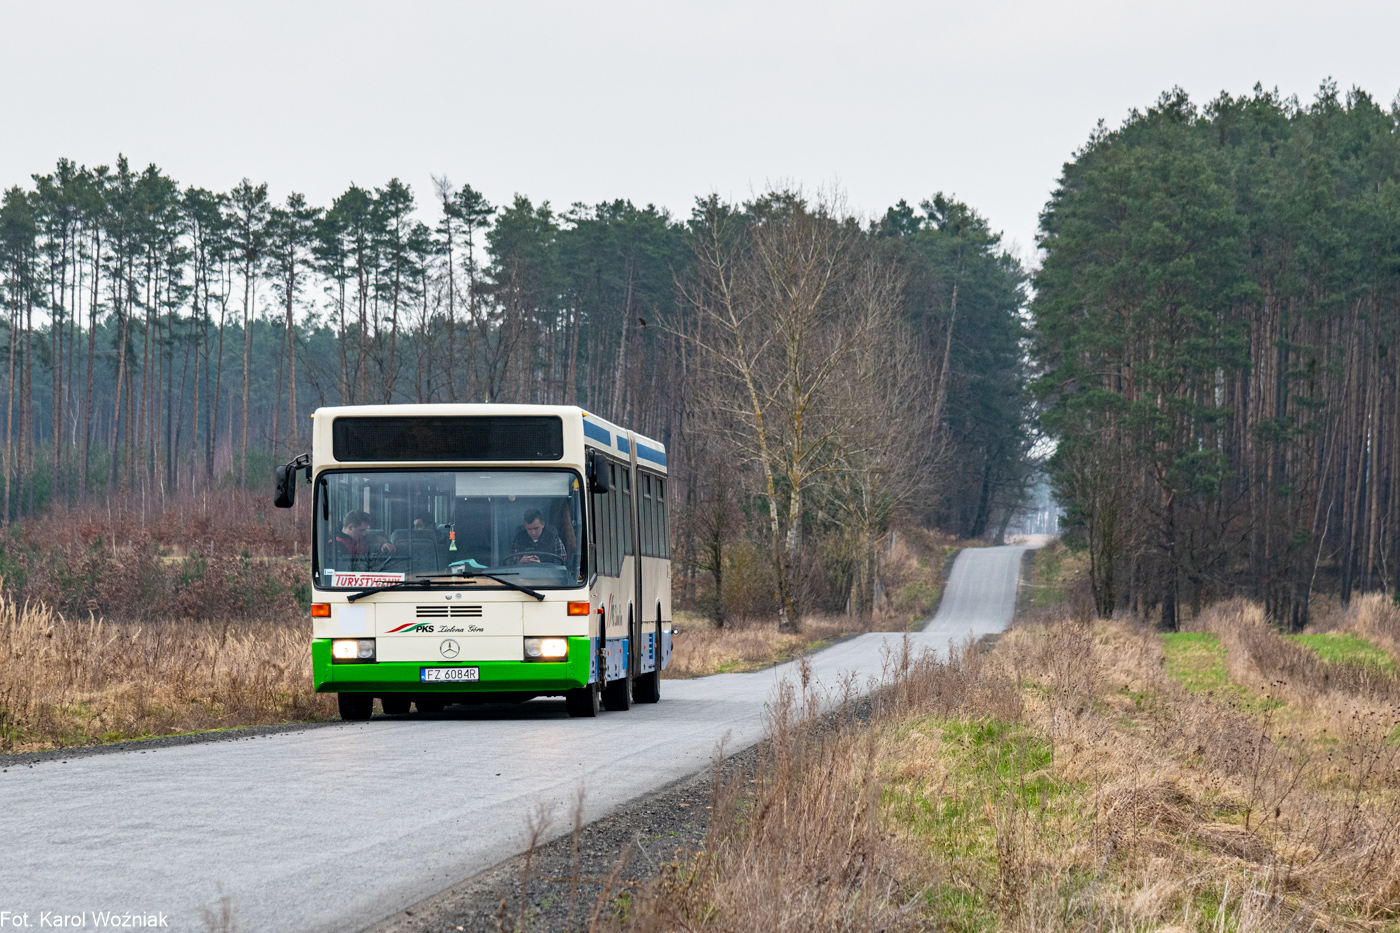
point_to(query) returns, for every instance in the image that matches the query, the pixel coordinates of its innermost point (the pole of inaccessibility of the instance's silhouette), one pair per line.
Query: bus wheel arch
(584, 702)
(355, 707)
(647, 688)
(617, 695)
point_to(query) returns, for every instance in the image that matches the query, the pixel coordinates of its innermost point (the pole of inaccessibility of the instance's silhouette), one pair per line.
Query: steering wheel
(542, 555)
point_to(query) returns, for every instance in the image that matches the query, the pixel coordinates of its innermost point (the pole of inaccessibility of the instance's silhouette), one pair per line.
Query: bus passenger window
(663, 525)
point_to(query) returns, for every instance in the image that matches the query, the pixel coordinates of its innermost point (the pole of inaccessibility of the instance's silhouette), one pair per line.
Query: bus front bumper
(540, 677)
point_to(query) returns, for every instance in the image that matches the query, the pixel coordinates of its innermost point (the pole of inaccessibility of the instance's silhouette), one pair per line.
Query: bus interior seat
(423, 550)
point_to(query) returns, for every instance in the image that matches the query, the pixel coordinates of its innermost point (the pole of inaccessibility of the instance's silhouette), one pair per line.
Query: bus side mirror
(598, 479)
(285, 495)
(285, 477)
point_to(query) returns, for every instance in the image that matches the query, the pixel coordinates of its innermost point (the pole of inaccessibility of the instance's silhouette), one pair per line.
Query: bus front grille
(449, 612)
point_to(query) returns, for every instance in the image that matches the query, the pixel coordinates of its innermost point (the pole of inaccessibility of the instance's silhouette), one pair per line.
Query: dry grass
(702, 649)
(808, 845)
(1060, 576)
(1376, 619)
(66, 682)
(1064, 780)
(1259, 657)
(911, 573)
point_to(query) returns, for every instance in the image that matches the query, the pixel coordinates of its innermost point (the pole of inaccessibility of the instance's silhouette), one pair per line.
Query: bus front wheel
(583, 701)
(617, 696)
(355, 707)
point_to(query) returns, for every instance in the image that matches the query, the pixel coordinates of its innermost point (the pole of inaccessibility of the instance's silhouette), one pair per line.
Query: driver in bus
(533, 539)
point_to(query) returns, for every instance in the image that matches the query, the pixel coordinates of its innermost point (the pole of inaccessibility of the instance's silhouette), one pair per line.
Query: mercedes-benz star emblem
(449, 648)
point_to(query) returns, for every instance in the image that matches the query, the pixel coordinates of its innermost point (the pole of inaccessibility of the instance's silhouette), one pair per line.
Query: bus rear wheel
(583, 701)
(395, 705)
(647, 688)
(355, 707)
(430, 704)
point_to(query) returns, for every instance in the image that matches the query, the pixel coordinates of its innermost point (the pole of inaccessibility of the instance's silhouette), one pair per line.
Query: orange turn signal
(580, 609)
(320, 610)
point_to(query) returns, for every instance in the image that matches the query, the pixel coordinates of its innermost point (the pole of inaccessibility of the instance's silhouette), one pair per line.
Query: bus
(484, 553)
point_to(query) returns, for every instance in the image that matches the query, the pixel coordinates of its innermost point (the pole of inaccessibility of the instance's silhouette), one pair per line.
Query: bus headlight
(546, 649)
(353, 649)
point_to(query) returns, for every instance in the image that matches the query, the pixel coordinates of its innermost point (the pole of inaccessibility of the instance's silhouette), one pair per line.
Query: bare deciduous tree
(779, 292)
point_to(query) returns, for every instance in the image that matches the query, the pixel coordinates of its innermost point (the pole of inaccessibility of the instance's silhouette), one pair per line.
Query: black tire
(617, 695)
(355, 707)
(583, 702)
(430, 704)
(395, 705)
(647, 688)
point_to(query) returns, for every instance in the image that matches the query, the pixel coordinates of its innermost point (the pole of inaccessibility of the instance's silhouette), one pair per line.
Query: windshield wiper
(396, 585)
(426, 583)
(510, 583)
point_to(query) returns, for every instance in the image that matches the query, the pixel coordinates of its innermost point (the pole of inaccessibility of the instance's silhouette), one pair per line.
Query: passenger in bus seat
(534, 539)
(354, 545)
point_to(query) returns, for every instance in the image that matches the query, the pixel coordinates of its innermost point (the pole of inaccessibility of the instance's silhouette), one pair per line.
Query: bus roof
(598, 432)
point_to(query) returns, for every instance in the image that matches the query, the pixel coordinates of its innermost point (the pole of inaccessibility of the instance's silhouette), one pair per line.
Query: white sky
(657, 102)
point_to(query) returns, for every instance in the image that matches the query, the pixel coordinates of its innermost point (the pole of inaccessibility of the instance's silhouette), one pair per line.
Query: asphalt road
(338, 827)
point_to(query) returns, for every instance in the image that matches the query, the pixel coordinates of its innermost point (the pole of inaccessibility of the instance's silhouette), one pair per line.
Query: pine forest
(816, 377)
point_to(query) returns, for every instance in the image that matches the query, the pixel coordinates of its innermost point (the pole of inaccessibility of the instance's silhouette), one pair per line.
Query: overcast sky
(657, 102)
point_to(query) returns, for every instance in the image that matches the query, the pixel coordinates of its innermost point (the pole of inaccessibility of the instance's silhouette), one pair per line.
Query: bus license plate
(448, 675)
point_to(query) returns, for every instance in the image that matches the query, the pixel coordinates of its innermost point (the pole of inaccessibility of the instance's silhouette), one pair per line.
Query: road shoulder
(159, 742)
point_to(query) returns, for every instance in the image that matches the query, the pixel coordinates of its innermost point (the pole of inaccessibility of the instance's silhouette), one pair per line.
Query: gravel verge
(580, 875)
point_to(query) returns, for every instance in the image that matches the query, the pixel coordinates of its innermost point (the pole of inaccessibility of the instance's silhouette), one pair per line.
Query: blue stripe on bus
(655, 456)
(598, 434)
(622, 444)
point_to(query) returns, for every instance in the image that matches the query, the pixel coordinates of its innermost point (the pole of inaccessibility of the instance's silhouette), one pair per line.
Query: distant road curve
(981, 594)
(339, 827)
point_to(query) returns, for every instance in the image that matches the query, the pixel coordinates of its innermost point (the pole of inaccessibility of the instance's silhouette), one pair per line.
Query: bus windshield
(377, 527)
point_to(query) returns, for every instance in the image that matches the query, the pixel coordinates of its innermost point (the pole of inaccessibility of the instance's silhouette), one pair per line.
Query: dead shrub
(223, 555)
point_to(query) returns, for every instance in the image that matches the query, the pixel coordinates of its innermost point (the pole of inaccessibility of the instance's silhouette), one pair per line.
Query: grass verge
(1076, 776)
(1345, 648)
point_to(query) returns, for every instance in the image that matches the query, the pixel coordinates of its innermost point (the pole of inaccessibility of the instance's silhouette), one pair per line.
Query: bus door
(634, 633)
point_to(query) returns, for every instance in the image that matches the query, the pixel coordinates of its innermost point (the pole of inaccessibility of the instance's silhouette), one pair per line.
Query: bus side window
(627, 512)
(605, 529)
(613, 561)
(612, 522)
(663, 526)
(658, 543)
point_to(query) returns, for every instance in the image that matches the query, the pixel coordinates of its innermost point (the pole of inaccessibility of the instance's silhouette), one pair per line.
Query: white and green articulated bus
(485, 553)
